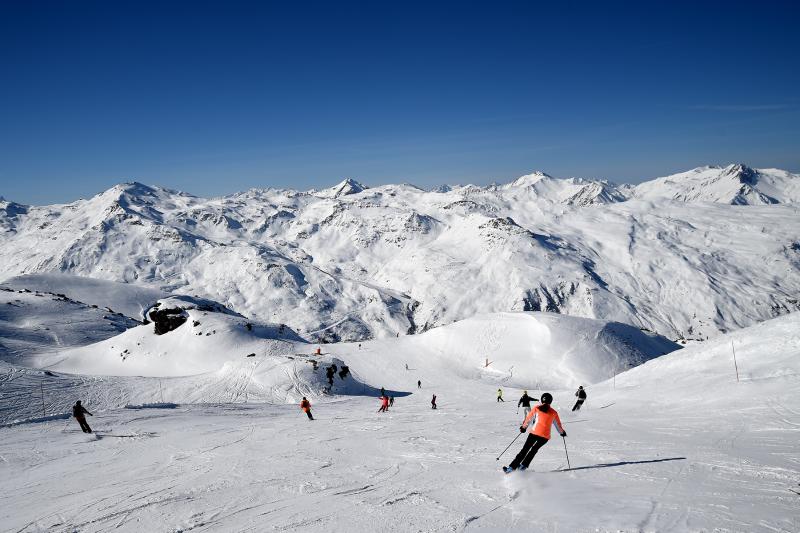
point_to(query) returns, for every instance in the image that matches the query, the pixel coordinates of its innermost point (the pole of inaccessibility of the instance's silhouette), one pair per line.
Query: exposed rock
(166, 320)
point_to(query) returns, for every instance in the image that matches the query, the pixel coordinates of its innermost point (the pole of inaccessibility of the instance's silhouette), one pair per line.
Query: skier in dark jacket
(78, 411)
(581, 394)
(525, 402)
(433, 402)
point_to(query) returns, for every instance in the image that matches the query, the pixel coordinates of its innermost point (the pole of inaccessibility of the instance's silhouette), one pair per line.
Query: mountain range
(688, 256)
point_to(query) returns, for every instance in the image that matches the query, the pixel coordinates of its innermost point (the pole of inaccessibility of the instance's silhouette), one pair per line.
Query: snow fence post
(736, 366)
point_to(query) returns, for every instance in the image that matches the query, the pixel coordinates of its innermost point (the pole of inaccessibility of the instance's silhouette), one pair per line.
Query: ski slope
(675, 444)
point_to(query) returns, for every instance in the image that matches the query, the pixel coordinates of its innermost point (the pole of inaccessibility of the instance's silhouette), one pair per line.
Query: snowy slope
(128, 299)
(675, 444)
(214, 357)
(351, 263)
(202, 344)
(33, 323)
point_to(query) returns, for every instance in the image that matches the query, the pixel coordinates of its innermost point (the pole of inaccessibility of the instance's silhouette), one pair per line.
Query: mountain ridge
(395, 259)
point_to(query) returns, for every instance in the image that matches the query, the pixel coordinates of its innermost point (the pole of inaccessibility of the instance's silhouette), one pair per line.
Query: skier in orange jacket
(539, 421)
(305, 405)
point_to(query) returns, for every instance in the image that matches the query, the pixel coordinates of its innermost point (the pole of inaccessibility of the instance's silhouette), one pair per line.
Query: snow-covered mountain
(351, 262)
(735, 184)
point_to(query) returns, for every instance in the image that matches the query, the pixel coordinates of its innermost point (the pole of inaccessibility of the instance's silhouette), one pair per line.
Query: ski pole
(507, 447)
(566, 452)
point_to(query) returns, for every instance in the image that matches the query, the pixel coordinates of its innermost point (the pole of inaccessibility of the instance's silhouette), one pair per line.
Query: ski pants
(84, 425)
(578, 405)
(525, 411)
(500, 399)
(309, 415)
(383, 409)
(528, 451)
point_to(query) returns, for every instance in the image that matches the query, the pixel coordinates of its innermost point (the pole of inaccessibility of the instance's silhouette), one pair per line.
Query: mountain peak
(530, 179)
(345, 187)
(741, 172)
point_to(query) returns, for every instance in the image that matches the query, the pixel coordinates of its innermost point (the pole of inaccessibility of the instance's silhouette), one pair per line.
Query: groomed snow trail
(267, 468)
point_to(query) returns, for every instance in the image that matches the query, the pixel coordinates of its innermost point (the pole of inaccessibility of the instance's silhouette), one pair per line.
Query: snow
(541, 284)
(735, 184)
(34, 323)
(673, 444)
(128, 299)
(352, 263)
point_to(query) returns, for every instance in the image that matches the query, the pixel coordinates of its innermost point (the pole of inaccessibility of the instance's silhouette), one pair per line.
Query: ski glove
(522, 429)
(564, 434)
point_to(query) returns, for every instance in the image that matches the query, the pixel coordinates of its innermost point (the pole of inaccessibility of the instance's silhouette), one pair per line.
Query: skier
(305, 405)
(391, 401)
(419, 384)
(433, 402)
(78, 411)
(539, 420)
(500, 396)
(384, 404)
(406, 366)
(525, 402)
(581, 394)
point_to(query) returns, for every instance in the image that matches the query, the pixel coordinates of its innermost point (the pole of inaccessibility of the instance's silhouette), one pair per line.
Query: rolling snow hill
(350, 262)
(213, 357)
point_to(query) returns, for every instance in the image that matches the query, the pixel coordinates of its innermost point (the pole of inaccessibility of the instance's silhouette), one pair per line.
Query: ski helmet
(547, 398)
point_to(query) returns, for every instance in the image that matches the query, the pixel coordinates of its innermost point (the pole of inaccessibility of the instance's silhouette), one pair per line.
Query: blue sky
(212, 98)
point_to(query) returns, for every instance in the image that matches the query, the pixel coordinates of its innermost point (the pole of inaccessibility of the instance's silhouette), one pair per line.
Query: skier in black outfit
(525, 401)
(581, 394)
(419, 384)
(78, 411)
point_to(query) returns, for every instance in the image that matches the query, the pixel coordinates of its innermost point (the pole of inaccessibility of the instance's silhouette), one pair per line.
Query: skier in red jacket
(305, 405)
(384, 404)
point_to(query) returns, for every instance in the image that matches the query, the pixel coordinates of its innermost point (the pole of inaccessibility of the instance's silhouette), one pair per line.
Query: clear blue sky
(212, 98)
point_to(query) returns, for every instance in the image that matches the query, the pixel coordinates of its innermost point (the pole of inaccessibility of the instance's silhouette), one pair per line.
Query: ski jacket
(305, 405)
(385, 401)
(540, 421)
(581, 394)
(499, 393)
(78, 411)
(525, 401)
